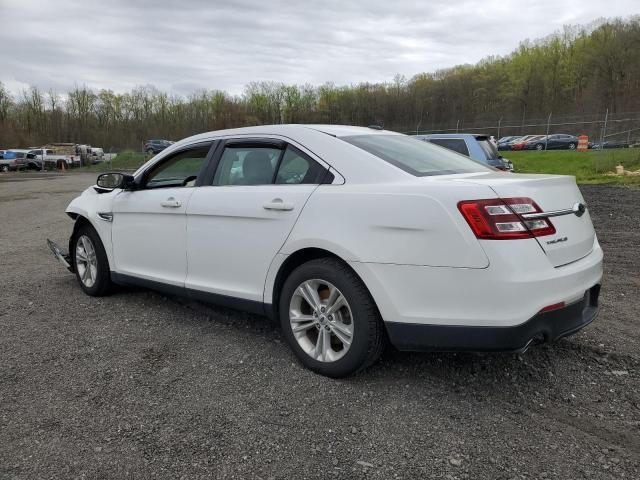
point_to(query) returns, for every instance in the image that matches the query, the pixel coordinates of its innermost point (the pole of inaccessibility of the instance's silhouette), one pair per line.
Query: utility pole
(604, 130)
(546, 138)
(499, 122)
(420, 121)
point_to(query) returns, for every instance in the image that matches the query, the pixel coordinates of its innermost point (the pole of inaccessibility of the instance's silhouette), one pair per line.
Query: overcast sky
(188, 45)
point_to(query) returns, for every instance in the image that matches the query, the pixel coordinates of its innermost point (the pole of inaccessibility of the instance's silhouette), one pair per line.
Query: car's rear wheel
(150, 152)
(572, 146)
(539, 147)
(329, 318)
(5, 168)
(91, 263)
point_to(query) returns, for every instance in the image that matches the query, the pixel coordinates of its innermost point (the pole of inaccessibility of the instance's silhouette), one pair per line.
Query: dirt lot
(140, 385)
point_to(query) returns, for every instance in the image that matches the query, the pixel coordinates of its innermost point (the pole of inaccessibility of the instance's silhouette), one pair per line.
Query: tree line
(578, 71)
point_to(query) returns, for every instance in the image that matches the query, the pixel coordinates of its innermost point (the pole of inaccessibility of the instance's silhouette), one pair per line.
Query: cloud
(182, 46)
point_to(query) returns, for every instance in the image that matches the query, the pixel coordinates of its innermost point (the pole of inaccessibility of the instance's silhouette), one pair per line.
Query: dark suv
(156, 146)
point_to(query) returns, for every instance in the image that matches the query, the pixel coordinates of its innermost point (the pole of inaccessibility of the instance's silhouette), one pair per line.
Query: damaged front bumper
(61, 256)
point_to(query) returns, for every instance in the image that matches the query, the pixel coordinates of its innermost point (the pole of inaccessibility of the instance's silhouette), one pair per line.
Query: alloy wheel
(321, 320)
(86, 261)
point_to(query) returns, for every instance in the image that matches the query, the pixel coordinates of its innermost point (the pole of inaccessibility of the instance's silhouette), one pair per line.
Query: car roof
(292, 130)
(322, 141)
(347, 130)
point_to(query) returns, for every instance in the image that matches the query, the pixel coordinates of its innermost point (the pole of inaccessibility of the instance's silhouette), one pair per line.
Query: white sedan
(351, 237)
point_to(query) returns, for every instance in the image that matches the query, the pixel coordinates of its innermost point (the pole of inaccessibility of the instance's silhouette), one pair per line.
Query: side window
(455, 144)
(247, 165)
(298, 168)
(179, 170)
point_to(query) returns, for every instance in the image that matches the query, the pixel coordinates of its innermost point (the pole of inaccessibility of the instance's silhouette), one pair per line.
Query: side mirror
(115, 180)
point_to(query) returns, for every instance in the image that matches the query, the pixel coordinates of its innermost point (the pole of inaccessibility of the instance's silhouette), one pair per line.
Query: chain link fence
(623, 128)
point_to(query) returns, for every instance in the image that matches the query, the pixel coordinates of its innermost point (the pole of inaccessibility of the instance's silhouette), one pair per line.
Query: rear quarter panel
(415, 223)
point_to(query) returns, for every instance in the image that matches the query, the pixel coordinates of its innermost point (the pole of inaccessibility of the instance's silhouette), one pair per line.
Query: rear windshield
(414, 156)
(489, 149)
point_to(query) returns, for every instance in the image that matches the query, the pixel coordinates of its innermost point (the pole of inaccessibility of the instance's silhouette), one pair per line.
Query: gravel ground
(145, 386)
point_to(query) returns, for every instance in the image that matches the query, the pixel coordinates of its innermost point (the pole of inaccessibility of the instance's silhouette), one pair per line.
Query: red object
(500, 218)
(583, 143)
(551, 308)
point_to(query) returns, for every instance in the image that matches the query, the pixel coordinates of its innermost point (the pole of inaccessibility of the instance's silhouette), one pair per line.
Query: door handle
(278, 204)
(171, 203)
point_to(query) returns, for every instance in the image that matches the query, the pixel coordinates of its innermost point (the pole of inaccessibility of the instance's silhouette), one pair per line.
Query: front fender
(88, 205)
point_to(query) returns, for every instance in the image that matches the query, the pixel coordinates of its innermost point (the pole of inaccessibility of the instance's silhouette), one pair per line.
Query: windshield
(415, 156)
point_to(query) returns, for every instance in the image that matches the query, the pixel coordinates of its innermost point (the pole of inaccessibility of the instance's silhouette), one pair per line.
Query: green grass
(593, 166)
(126, 160)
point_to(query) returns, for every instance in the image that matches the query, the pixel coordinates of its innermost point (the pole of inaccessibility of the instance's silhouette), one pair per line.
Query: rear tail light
(499, 218)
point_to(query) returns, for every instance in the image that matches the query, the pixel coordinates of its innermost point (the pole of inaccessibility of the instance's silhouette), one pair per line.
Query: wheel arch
(293, 261)
(80, 219)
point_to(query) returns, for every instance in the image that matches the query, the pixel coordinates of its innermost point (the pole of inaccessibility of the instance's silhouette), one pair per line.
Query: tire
(150, 152)
(358, 315)
(5, 168)
(572, 146)
(539, 147)
(96, 282)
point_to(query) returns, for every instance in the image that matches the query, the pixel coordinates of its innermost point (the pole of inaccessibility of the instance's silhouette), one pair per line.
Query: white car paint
(403, 235)
(149, 240)
(230, 232)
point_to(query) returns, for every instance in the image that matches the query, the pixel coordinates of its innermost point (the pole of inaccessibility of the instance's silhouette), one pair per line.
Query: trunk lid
(574, 235)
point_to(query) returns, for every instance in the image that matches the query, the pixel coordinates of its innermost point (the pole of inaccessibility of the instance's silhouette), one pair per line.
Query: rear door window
(298, 168)
(247, 165)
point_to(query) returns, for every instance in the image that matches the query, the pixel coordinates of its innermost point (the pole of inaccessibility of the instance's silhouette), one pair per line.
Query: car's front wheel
(539, 147)
(329, 318)
(91, 263)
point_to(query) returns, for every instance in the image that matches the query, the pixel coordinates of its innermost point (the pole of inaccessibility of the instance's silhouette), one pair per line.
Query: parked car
(153, 147)
(558, 141)
(348, 236)
(521, 142)
(610, 144)
(13, 160)
(478, 147)
(505, 142)
(97, 155)
(50, 158)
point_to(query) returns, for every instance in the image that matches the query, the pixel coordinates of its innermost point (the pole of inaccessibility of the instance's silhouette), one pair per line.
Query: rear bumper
(543, 327)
